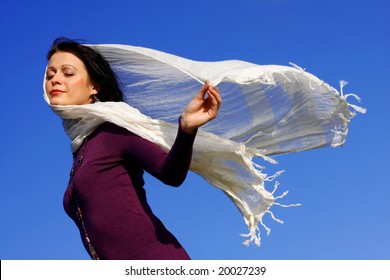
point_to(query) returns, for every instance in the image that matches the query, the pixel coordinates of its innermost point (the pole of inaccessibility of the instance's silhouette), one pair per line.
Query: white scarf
(266, 110)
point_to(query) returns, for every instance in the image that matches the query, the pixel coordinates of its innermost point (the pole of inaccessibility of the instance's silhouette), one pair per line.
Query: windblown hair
(99, 70)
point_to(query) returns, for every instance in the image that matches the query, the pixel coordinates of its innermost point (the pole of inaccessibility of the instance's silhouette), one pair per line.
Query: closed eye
(50, 73)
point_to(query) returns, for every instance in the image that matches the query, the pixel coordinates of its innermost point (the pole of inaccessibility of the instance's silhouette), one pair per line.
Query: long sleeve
(169, 167)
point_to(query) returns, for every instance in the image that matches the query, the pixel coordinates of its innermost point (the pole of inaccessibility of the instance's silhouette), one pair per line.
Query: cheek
(47, 86)
(78, 84)
(79, 90)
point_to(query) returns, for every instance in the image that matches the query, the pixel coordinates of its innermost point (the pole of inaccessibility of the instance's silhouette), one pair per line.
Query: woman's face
(67, 80)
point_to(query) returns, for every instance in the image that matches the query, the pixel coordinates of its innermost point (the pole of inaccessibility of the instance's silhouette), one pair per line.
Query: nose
(56, 79)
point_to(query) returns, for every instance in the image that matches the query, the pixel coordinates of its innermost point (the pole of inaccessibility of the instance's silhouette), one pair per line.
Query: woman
(105, 195)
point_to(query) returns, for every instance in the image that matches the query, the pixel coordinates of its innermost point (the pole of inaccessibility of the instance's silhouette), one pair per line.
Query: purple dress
(106, 198)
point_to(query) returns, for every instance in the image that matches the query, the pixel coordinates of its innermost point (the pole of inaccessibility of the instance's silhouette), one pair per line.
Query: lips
(56, 91)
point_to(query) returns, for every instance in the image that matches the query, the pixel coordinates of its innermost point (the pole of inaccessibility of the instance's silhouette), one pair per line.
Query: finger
(204, 89)
(213, 91)
(213, 104)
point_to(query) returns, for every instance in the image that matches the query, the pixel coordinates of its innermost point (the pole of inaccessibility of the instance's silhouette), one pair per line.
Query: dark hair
(99, 70)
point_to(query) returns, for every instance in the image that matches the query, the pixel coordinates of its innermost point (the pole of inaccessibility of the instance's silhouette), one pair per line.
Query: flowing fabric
(266, 110)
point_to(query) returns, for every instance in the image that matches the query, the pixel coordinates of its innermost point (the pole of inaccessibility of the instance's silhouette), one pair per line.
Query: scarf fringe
(254, 233)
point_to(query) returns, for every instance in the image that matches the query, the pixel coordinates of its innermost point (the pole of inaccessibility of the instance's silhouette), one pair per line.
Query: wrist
(183, 124)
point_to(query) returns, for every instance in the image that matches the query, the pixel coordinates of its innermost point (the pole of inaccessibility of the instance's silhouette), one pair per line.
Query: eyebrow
(62, 66)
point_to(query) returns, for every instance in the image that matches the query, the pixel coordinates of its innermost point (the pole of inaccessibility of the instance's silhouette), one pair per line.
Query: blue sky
(344, 192)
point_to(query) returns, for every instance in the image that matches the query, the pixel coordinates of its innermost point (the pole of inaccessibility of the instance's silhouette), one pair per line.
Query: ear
(94, 89)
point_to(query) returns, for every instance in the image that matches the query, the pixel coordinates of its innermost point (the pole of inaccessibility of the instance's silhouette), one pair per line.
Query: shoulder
(120, 141)
(111, 133)
(111, 128)
(110, 138)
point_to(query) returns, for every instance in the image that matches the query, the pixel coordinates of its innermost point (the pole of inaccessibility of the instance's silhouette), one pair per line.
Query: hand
(201, 109)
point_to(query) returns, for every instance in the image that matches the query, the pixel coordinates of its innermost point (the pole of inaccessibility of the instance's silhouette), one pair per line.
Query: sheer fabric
(266, 110)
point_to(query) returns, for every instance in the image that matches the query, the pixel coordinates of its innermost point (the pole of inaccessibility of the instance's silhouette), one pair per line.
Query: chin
(57, 101)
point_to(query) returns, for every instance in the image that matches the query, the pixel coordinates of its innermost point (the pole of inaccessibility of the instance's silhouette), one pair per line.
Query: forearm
(178, 160)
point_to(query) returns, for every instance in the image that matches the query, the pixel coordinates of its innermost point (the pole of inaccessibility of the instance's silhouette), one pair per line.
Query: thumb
(204, 89)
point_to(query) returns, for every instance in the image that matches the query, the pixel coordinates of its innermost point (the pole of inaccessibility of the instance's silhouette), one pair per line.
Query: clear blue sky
(344, 192)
